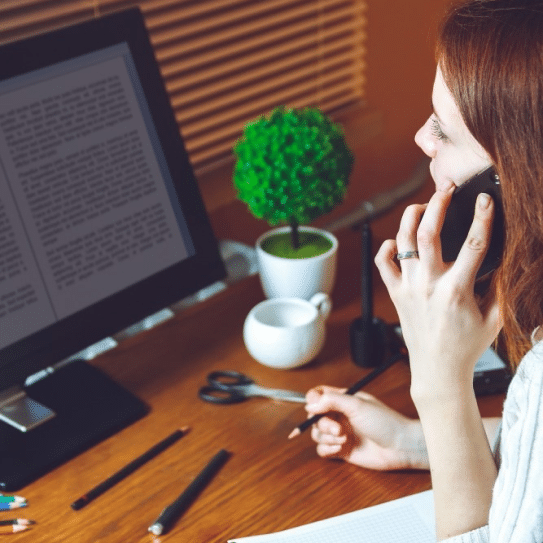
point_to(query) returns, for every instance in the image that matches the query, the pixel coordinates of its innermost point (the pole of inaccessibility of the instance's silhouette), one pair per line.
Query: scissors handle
(223, 387)
(217, 395)
(226, 387)
(226, 379)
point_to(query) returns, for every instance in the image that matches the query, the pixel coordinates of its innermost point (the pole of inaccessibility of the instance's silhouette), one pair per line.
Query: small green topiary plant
(292, 167)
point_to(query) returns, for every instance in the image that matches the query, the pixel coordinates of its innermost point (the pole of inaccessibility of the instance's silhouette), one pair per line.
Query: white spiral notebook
(406, 520)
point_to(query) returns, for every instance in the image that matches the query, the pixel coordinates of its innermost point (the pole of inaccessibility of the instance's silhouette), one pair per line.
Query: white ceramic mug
(287, 332)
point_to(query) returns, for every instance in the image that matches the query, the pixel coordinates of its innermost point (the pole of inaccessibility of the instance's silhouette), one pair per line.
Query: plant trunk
(294, 237)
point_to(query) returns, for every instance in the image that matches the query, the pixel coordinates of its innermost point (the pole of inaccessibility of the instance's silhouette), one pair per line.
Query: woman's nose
(425, 140)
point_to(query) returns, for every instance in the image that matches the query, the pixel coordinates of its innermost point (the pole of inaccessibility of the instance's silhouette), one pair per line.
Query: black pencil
(350, 391)
(173, 511)
(128, 469)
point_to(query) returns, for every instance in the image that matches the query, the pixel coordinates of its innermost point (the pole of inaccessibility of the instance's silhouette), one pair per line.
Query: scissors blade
(275, 394)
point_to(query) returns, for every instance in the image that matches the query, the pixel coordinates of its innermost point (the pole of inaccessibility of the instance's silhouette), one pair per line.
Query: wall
(400, 76)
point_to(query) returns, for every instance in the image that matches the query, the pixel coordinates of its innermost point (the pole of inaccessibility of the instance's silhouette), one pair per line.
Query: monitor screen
(101, 225)
(101, 220)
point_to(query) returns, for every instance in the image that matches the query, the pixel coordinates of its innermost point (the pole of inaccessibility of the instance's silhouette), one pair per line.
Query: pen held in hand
(128, 469)
(173, 511)
(351, 391)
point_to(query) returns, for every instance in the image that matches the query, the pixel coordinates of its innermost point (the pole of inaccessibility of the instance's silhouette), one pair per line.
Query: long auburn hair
(491, 56)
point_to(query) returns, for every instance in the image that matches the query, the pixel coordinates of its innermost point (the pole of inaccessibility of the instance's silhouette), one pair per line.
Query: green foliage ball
(292, 166)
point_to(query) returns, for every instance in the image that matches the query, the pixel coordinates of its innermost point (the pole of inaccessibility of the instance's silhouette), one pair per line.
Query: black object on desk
(171, 513)
(124, 472)
(84, 417)
(368, 334)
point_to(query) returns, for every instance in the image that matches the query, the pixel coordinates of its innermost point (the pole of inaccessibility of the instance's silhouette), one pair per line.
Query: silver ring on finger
(407, 254)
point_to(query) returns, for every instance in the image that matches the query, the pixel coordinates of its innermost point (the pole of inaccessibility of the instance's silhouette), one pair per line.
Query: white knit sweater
(516, 512)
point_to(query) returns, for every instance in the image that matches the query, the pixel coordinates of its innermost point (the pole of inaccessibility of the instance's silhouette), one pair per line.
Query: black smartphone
(459, 217)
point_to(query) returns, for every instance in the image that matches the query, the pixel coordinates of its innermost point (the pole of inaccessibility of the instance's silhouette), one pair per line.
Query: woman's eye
(436, 130)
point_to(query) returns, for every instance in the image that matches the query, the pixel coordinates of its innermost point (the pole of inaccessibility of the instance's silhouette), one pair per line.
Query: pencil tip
(294, 433)
(185, 429)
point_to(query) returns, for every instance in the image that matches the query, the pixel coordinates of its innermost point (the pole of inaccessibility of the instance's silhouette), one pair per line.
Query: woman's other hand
(363, 431)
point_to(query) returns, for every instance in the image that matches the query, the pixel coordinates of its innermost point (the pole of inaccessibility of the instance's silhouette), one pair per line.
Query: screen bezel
(72, 334)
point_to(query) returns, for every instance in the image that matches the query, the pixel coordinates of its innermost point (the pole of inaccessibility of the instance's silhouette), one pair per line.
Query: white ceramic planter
(297, 278)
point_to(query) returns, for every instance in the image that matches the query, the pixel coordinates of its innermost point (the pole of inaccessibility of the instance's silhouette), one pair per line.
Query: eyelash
(436, 130)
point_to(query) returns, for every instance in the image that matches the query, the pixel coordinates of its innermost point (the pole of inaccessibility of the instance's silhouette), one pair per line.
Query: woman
(488, 110)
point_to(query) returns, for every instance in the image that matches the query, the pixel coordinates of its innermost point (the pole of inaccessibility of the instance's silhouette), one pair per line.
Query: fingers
(326, 450)
(386, 264)
(420, 230)
(406, 239)
(313, 395)
(328, 399)
(329, 436)
(328, 432)
(333, 433)
(329, 450)
(429, 229)
(474, 249)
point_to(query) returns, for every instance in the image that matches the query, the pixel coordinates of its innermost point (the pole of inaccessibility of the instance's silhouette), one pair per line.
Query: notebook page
(406, 520)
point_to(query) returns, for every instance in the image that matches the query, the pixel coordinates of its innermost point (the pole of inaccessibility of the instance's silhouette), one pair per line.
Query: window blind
(226, 62)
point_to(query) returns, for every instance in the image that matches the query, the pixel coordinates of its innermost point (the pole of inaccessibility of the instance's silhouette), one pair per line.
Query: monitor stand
(81, 406)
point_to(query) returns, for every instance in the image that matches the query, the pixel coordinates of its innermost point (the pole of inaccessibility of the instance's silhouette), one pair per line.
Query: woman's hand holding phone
(444, 327)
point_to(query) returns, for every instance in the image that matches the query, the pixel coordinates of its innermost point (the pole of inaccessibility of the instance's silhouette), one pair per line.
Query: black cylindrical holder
(368, 334)
(368, 342)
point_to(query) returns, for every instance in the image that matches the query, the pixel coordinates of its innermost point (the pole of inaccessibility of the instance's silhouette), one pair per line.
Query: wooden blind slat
(216, 82)
(205, 141)
(275, 42)
(23, 18)
(221, 149)
(210, 38)
(226, 63)
(197, 108)
(258, 17)
(263, 103)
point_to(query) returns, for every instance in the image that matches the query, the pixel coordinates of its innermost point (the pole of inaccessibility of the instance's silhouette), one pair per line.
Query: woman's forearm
(461, 463)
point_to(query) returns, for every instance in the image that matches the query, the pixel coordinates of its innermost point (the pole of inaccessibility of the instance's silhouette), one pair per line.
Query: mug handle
(323, 303)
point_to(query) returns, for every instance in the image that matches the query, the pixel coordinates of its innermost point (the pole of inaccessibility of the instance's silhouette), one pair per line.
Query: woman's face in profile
(455, 154)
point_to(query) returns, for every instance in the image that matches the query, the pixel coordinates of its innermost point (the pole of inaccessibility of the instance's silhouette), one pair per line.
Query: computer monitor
(101, 225)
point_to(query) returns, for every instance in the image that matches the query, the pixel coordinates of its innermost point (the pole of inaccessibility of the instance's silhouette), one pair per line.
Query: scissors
(232, 387)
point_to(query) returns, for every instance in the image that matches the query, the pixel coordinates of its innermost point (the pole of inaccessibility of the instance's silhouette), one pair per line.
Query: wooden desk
(269, 483)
